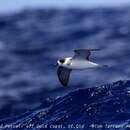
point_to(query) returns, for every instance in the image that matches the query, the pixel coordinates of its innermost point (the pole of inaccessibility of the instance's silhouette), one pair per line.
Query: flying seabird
(79, 61)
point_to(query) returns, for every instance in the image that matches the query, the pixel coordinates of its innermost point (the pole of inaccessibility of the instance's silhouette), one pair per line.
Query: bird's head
(61, 61)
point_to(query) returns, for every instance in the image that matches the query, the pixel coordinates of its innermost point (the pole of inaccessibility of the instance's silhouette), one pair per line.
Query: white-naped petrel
(79, 61)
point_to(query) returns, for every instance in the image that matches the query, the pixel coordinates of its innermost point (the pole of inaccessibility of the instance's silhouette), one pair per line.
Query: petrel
(80, 61)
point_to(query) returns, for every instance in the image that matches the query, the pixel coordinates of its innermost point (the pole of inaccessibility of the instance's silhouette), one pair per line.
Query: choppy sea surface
(31, 41)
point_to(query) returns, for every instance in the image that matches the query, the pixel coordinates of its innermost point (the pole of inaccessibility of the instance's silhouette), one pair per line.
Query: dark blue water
(30, 44)
(104, 107)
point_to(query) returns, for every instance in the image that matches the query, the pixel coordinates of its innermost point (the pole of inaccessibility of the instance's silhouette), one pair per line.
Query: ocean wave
(88, 108)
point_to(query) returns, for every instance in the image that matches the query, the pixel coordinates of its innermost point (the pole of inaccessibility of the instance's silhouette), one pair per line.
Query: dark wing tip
(86, 49)
(63, 83)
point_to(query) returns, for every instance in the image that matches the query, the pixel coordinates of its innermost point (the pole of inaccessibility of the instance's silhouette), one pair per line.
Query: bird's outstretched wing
(63, 75)
(83, 53)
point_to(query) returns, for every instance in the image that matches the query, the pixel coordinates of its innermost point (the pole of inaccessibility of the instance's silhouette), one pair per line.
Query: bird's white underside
(78, 64)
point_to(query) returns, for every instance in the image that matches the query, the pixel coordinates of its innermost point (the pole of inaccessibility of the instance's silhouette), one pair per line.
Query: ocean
(31, 42)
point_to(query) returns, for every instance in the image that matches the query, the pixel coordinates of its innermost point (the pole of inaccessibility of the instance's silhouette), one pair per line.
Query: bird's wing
(63, 75)
(83, 53)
